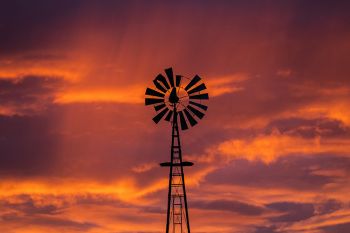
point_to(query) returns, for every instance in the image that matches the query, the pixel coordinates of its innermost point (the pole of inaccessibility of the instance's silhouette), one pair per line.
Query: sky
(80, 152)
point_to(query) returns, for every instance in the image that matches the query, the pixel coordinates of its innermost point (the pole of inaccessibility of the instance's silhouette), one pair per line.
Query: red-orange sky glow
(80, 152)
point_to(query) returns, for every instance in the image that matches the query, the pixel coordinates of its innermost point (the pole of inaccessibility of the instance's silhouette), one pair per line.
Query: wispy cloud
(226, 84)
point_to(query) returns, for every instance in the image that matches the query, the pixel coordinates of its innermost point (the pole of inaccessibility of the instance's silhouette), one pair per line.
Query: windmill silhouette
(172, 98)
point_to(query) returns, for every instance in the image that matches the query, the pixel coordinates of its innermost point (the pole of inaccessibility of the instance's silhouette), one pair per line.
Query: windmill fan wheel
(180, 95)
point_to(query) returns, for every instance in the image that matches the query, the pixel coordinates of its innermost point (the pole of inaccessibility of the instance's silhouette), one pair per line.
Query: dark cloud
(328, 207)
(27, 206)
(294, 172)
(28, 95)
(64, 223)
(337, 228)
(310, 128)
(226, 205)
(154, 209)
(270, 229)
(99, 199)
(23, 210)
(293, 211)
(54, 222)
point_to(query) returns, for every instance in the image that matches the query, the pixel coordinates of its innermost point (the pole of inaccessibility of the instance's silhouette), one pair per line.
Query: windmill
(177, 99)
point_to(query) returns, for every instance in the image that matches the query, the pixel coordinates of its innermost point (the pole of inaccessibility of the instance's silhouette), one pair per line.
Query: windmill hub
(173, 98)
(176, 100)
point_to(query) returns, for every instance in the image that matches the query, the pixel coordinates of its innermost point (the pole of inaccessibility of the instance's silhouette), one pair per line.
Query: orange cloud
(66, 68)
(226, 84)
(333, 103)
(8, 111)
(125, 189)
(268, 148)
(335, 109)
(131, 95)
(144, 167)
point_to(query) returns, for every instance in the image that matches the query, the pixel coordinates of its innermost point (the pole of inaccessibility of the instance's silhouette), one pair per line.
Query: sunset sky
(79, 151)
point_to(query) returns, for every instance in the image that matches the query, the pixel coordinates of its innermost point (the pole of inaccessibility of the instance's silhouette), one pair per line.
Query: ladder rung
(179, 196)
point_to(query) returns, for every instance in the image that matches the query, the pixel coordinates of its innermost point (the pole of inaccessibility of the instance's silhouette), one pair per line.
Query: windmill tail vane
(176, 100)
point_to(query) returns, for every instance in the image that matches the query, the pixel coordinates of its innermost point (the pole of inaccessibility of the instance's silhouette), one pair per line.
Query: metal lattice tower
(177, 211)
(173, 100)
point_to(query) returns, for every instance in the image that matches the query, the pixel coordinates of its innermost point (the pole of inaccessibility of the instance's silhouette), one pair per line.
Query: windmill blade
(200, 96)
(193, 82)
(197, 89)
(160, 115)
(169, 73)
(159, 107)
(161, 78)
(190, 118)
(158, 86)
(183, 121)
(178, 80)
(152, 92)
(149, 101)
(196, 112)
(168, 117)
(199, 105)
